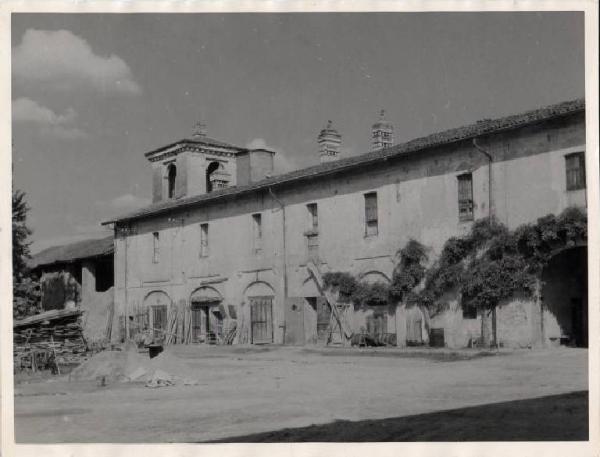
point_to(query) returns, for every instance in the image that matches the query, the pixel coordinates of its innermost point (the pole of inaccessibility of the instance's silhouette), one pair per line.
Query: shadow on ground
(552, 418)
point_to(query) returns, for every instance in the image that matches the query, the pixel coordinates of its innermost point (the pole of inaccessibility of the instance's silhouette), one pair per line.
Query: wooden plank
(314, 271)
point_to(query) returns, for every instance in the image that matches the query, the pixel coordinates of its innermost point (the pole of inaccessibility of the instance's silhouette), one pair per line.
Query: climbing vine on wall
(409, 272)
(350, 290)
(486, 266)
(491, 263)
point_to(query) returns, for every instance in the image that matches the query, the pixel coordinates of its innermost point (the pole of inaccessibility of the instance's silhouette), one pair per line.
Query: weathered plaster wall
(417, 198)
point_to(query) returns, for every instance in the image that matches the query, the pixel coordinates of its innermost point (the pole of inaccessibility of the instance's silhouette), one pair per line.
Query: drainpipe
(285, 279)
(125, 282)
(284, 256)
(490, 217)
(490, 160)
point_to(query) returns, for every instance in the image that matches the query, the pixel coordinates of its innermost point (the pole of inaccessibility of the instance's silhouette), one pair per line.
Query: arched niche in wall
(205, 294)
(374, 276)
(259, 289)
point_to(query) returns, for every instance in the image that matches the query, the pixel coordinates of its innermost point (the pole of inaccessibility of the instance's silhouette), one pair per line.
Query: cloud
(283, 164)
(126, 202)
(282, 161)
(257, 143)
(25, 110)
(44, 243)
(59, 59)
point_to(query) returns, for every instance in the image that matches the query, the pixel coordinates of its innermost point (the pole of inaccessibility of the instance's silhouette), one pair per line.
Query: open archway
(374, 276)
(565, 298)
(171, 178)
(207, 315)
(210, 169)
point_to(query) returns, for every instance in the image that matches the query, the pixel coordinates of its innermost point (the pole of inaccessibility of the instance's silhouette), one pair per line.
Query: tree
(26, 289)
(20, 234)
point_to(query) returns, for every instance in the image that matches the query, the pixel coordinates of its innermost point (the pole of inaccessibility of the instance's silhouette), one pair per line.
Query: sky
(92, 92)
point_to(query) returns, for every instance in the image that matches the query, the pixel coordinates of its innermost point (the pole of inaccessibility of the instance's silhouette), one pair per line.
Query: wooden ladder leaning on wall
(337, 319)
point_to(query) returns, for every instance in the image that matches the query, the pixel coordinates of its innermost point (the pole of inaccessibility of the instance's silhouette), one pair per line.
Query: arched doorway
(376, 321)
(207, 315)
(260, 296)
(565, 298)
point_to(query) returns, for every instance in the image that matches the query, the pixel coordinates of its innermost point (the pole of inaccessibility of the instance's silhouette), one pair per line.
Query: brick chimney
(329, 143)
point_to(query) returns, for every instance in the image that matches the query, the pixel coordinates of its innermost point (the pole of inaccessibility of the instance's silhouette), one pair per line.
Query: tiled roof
(72, 252)
(199, 140)
(437, 139)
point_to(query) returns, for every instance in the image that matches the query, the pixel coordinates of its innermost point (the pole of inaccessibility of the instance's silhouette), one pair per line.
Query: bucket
(153, 351)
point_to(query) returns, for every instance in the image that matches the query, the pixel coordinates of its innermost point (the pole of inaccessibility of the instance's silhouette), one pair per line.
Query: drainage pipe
(284, 256)
(490, 217)
(490, 160)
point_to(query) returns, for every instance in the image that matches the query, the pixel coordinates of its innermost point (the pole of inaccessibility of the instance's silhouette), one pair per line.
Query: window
(469, 312)
(203, 240)
(377, 324)
(257, 233)
(575, 167)
(172, 176)
(313, 217)
(155, 247)
(465, 197)
(371, 221)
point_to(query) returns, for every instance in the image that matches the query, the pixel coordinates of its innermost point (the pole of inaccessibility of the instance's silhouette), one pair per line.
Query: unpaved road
(245, 390)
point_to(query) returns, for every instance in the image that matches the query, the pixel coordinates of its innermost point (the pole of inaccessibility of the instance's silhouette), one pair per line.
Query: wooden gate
(261, 317)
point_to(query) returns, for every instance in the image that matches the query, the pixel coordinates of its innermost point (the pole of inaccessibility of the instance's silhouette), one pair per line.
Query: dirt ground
(244, 391)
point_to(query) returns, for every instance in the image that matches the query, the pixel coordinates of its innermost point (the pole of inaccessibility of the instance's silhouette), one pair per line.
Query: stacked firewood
(60, 340)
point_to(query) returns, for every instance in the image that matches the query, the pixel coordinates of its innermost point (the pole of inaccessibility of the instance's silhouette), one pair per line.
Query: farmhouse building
(74, 273)
(229, 248)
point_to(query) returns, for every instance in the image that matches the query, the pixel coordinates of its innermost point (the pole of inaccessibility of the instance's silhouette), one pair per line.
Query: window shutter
(465, 197)
(371, 207)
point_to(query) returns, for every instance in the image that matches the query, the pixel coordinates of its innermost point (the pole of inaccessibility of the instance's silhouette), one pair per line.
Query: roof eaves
(450, 136)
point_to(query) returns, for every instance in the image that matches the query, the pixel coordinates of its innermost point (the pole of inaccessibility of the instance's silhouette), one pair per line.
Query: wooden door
(413, 330)
(159, 320)
(323, 319)
(377, 325)
(261, 317)
(294, 321)
(197, 332)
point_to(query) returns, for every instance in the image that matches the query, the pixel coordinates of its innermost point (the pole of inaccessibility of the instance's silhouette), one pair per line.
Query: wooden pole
(54, 353)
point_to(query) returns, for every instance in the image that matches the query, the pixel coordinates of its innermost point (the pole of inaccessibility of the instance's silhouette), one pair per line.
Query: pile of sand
(131, 366)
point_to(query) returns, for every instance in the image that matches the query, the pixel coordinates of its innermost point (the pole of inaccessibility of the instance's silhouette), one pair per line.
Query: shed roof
(72, 252)
(50, 315)
(484, 127)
